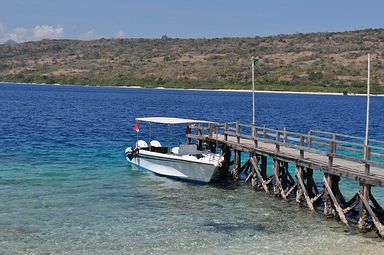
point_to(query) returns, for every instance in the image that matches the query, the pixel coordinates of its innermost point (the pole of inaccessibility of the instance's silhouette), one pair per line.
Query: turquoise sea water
(66, 188)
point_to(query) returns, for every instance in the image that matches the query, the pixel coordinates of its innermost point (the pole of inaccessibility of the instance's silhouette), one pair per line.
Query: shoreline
(250, 91)
(211, 90)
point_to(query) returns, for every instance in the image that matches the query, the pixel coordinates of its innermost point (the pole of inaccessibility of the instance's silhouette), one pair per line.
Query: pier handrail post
(277, 141)
(310, 138)
(264, 132)
(301, 146)
(210, 130)
(285, 135)
(332, 150)
(367, 156)
(200, 128)
(238, 131)
(226, 128)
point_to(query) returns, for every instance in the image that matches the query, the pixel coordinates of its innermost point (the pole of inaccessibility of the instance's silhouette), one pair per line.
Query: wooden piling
(263, 166)
(277, 187)
(302, 188)
(379, 226)
(363, 213)
(236, 167)
(227, 158)
(254, 162)
(328, 183)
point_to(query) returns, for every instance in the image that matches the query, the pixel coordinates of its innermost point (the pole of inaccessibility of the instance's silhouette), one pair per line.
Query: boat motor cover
(141, 144)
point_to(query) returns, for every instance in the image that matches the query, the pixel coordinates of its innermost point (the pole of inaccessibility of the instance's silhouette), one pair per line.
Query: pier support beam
(311, 185)
(363, 213)
(302, 190)
(254, 162)
(247, 165)
(277, 187)
(332, 181)
(375, 219)
(333, 200)
(263, 166)
(236, 167)
(328, 208)
(227, 158)
(284, 174)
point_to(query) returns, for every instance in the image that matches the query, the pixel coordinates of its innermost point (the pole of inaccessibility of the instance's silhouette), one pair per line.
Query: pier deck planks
(340, 167)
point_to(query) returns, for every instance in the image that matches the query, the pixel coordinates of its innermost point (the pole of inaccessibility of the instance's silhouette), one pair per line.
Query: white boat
(184, 162)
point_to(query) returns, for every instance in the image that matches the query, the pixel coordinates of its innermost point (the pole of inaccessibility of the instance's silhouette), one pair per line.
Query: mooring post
(285, 135)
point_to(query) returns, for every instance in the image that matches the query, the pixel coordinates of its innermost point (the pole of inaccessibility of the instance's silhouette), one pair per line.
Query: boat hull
(176, 167)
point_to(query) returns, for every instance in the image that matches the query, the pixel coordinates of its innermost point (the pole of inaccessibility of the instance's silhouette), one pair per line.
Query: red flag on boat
(136, 127)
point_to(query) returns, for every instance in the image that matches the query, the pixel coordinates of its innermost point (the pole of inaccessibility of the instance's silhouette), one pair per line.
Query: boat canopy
(169, 120)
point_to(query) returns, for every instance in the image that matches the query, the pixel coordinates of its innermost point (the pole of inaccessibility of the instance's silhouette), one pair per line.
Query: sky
(30, 20)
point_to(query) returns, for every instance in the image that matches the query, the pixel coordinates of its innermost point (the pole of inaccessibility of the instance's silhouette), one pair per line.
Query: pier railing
(328, 144)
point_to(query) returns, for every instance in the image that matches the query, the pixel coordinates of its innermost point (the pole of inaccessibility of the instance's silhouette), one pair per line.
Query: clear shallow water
(65, 186)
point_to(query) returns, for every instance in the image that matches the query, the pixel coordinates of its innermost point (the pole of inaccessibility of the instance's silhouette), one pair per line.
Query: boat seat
(188, 149)
(175, 150)
(141, 144)
(155, 143)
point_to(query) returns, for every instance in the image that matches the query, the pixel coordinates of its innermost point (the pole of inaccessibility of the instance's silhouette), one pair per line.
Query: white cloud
(121, 34)
(90, 35)
(22, 34)
(45, 31)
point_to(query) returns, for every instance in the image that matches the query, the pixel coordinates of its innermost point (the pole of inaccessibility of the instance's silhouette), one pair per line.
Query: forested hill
(300, 62)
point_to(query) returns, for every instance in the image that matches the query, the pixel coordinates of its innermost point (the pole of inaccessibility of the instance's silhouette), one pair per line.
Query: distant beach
(213, 90)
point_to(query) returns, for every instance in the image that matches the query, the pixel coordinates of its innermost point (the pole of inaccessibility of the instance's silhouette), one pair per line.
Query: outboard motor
(130, 152)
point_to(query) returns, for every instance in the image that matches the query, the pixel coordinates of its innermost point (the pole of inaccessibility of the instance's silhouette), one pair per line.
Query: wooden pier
(334, 155)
